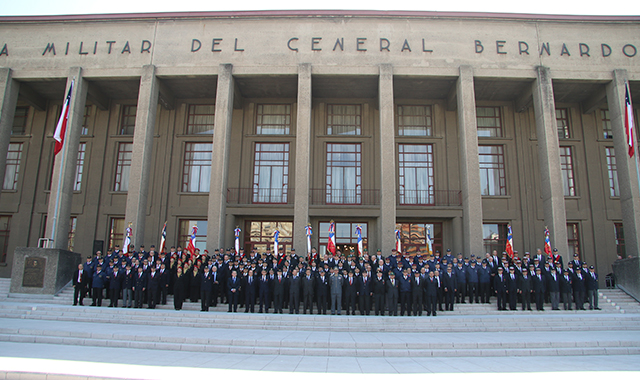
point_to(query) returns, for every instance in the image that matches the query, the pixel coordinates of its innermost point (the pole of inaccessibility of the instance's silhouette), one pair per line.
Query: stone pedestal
(42, 271)
(627, 276)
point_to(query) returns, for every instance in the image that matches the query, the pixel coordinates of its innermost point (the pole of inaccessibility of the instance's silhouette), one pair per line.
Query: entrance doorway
(348, 249)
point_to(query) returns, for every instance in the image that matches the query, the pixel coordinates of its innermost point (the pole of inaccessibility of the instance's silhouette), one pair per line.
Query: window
(344, 119)
(85, 120)
(606, 124)
(414, 121)
(259, 236)
(5, 226)
(123, 167)
(344, 171)
(492, 173)
(128, 121)
(116, 232)
(20, 121)
(273, 119)
(201, 119)
(489, 121)
(197, 167)
(73, 222)
(12, 166)
(346, 237)
(573, 239)
(185, 233)
(415, 170)
(82, 148)
(566, 165)
(619, 234)
(562, 122)
(271, 173)
(494, 237)
(414, 237)
(614, 189)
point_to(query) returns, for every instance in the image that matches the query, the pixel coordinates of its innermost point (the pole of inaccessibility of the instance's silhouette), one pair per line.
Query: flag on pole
(61, 127)
(128, 236)
(331, 244)
(359, 233)
(628, 120)
(509, 247)
(429, 242)
(398, 241)
(276, 243)
(309, 233)
(236, 233)
(547, 243)
(191, 246)
(163, 238)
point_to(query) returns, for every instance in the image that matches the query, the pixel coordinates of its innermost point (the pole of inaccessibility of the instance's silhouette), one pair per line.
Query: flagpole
(54, 219)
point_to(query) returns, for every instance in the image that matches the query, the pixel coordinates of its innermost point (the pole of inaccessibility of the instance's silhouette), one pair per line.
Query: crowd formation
(397, 285)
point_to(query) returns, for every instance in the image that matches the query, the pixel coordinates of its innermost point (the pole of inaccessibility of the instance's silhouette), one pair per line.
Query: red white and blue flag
(276, 243)
(61, 127)
(398, 241)
(309, 232)
(509, 247)
(128, 236)
(429, 242)
(359, 234)
(191, 246)
(547, 242)
(163, 237)
(331, 244)
(236, 233)
(629, 125)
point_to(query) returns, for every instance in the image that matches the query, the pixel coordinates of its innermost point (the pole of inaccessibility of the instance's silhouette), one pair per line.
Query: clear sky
(53, 7)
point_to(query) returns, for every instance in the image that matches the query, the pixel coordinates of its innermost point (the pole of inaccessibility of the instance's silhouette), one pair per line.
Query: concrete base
(42, 271)
(627, 276)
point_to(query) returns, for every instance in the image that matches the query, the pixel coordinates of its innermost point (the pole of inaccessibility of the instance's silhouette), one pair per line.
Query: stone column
(220, 158)
(8, 99)
(64, 170)
(469, 165)
(549, 159)
(626, 166)
(138, 193)
(387, 149)
(303, 161)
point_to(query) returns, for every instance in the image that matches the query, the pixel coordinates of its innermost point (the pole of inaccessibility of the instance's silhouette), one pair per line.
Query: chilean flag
(429, 242)
(128, 236)
(191, 246)
(309, 233)
(163, 239)
(331, 244)
(61, 127)
(547, 243)
(276, 243)
(398, 242)
(628, 120)
(509, 247)
(359, 234)
(236, 232)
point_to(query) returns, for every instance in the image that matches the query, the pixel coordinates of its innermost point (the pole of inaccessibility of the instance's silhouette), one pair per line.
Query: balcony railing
(247, 196)
(359, 197)
(430, 197)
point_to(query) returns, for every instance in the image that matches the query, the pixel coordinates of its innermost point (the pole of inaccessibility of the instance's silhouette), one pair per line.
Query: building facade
(455, 125)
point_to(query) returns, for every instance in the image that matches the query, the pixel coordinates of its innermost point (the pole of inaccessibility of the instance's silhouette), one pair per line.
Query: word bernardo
(546, 48)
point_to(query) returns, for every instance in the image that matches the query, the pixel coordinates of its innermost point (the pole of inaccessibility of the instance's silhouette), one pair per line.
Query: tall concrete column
(469, 164)
(555, 217)
(138, 193)
(625, 165)
(9, 88)
(64, 169)
(303, 161)
(220, 158)
(387, 222)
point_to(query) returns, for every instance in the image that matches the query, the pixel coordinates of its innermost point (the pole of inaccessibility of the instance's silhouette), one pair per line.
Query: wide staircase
(472, 330)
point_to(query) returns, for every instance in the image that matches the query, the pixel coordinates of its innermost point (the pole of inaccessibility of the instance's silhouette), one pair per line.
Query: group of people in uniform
(398, 284)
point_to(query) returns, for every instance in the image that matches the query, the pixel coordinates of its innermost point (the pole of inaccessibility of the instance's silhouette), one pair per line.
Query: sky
(573, 7)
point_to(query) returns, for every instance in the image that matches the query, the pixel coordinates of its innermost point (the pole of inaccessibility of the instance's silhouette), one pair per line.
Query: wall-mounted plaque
(33, 275)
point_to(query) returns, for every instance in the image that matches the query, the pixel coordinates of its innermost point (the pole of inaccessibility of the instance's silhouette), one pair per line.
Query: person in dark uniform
(365, 294)
(308, 285)
(592, 288)
(80, 280)
(215, 285)
(249, 285)
(566, 288)
(153, 285)
(512, 288)
(336, 283)
(206, 284)
(233, 284)
(392, 294)
(350, 292)
(539, 289)
(128, 279)
(484, 281)
(524, 289)
(179, 286)
(139, 287)
(115, 285)
(378, 290)
(322, 291)
(294, 292)
(404, 287)
(449, 282)
(431, 294)
(500, 286)
(278, 292)
(194, 283)
(163, 290)
(97, 285)
(579, 288)
(417, 293)
(264, 288)
(553, 288)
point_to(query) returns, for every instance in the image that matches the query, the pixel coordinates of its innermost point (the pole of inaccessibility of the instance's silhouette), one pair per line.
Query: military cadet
(97, 285)
(206, 286)
(566, 288)
(128, 277)
(179, 286)
(115, 284)
(461, 279)
(524, 289)
(512, 288)
(417, 294)
(431, 293)
(163, 290)
(500, 286)
(539, 289)
(307, 287)
(322, 290)
(578, 284)
(335, 286)
(350, 293)
(592, 288)
(484, 281)
(449, 285)
(139, 287)
(404, 288)
(294, 292)
(153, 285)
(233, 284)
(473, 281)
(553, 288)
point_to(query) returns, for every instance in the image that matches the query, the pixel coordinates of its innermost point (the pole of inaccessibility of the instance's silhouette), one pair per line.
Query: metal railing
(247, 196)
(429, 197)
(356, 197)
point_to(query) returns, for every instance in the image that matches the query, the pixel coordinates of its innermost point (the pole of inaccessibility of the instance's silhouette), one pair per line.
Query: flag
(509, 247)
(628, 120)
(429, 242)
(61, 127)
(191, 246)
(309, 233)
(128, 236)
(236, 232)
(276, 242)
(359, 233)
(398, 241)
(163, 237)
(331, 244)
(547, 243)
